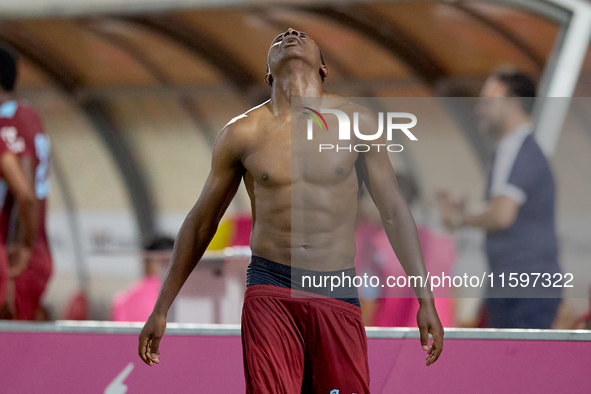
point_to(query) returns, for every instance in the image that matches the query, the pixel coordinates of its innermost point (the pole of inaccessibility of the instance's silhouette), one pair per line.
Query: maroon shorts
(30, 285)
(300, 343)
(3, 274)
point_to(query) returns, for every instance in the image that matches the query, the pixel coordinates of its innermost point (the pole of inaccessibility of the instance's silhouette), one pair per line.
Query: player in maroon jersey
(22, 132)
(13, 178)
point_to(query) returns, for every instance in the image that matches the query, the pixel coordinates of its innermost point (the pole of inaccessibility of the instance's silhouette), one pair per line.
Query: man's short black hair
(518, 85)
(7, 70)
(321, 60)
(160, 243)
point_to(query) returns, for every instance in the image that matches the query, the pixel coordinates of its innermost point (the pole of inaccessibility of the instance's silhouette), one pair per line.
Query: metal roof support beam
(96, 112)
(545, 8)
(561, 75)
(74, 226)
(184, 99)
(133, 175)
(504, 33)
(384, 34)
(199, 43)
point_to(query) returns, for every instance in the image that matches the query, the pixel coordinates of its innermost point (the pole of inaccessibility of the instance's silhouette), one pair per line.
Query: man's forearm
(480, 220)
(192, 241)
(27, 217)
(27, 208)
(499, 214)
(486, 220)
(402, 233)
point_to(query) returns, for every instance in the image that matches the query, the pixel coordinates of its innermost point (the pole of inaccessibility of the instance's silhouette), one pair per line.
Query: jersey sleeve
(10, 136)
(511, 174)
(529, 168)
(3, 145)
(3, 148)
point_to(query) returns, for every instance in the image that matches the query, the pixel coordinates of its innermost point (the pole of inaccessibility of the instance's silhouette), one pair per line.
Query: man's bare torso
(303, 202)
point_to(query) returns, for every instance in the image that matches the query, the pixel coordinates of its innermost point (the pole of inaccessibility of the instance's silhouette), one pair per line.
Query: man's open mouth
(291, 41)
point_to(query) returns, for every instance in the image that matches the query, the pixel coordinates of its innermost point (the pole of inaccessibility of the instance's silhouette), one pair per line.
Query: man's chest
(284, 157)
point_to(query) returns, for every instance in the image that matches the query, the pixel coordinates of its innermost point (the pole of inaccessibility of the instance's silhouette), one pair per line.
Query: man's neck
(294, 82)
(5, 96)
(514, 123)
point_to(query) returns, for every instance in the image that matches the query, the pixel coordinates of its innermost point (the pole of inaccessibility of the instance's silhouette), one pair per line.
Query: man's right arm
(195, 234)
(24, 192)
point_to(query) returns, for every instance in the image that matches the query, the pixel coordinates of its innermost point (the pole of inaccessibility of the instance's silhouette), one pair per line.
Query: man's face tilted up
(294, 45)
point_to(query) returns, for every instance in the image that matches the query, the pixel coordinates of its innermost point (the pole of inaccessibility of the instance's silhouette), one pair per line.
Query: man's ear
(268, 79)
(323, 71)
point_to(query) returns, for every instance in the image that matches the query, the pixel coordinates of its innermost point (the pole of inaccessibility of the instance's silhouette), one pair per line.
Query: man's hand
(451, 219)
(18, 259)
(150, 339)
(444, 199)
(8, 310)
(451, 209)
(428, 323)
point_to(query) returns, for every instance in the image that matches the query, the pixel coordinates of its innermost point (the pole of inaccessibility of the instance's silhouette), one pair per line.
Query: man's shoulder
(28, 111)
(343, 103)
(249, 119)
(22, 116)
(351, 108)
(531, 145)
(14, 108)
(245, 124)
(530, 154)
(8, 109)
(240, 132)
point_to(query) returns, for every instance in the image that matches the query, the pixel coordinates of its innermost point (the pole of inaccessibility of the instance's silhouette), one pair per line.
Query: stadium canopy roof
(402, 48)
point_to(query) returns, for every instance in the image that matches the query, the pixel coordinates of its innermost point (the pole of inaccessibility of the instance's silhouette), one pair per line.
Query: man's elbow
(504, 221)
(389, 217)
(503, 212)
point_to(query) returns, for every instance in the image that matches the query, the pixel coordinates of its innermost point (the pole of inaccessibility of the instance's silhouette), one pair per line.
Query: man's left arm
(376, 170)
(509, 188)
(19, 233)
(15, 244)
(24, 192)
(499, 214)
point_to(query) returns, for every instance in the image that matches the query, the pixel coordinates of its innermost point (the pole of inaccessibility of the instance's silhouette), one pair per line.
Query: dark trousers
(521, 312)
